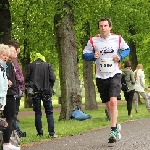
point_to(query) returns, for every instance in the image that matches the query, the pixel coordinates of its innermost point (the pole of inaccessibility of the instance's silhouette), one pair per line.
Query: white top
(140, 81)
(105, 66)
(3, 88)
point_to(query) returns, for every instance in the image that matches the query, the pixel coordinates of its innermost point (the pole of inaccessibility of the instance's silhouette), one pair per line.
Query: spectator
(9, 108)
(18, 74)
(139, 86)
(40, 77)
(4, 55)
(129, 78)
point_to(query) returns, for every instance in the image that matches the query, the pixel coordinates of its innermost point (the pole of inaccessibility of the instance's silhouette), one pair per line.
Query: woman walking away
(129, 78)
(139, 86)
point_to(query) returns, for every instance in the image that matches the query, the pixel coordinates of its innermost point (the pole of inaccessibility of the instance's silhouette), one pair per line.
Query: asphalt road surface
(135, 136)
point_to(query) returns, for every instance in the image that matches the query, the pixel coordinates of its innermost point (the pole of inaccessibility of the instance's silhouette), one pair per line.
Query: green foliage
(34, 21)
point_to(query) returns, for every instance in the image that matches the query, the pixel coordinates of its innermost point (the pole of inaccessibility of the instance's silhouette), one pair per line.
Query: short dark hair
(105, 19)
(127, 63)
(15, 44)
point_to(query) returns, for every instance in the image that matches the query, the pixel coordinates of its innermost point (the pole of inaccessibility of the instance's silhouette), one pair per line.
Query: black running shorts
(110, 87)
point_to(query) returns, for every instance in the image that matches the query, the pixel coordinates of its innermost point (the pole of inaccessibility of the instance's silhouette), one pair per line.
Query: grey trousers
(135, 99)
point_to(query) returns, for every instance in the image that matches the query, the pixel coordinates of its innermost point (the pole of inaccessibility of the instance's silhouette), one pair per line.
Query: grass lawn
(72, 127)
(55, 102)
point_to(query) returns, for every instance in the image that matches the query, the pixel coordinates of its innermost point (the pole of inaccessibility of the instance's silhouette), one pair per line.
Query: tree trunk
(67, 53)
(26, 61)
(132, 45)
(5, 22)
(90, 93)
(26, 58)
(133, 56)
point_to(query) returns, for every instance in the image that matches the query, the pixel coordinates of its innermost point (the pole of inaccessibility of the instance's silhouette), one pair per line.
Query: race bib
(106, 65)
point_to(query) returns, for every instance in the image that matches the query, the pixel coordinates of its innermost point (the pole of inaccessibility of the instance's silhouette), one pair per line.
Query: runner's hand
(97, 54)
(116, 58)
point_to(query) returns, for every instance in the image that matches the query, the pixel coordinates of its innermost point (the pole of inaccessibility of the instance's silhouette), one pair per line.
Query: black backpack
(124, 86)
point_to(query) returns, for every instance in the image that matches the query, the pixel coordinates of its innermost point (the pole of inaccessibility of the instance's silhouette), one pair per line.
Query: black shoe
(40, 134)
(22, 134)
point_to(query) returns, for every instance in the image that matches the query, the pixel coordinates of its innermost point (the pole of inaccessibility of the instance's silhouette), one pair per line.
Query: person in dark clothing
(129, 78)
(19, 75)
(40, 77)
(9, 108)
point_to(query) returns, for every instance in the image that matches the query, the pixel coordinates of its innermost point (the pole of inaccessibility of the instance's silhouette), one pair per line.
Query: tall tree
(5, 22)
(90, 93)
(67, 53)
(132, 45)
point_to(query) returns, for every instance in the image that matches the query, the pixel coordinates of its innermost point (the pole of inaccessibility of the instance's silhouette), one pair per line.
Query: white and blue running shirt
(107, 47)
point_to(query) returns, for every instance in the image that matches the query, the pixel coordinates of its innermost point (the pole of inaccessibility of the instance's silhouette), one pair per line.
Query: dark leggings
(9, 113)
(17, 105)
(129, 98)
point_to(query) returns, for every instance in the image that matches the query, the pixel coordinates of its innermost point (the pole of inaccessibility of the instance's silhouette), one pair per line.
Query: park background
(59, 30)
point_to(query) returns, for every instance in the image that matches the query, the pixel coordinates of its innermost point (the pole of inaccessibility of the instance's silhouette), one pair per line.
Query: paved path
(135, 136)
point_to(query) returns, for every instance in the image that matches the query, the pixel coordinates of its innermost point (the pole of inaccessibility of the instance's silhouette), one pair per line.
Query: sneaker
(118, 136)
(114, 136)
(53, 136)
(118, 128)
(10, 147)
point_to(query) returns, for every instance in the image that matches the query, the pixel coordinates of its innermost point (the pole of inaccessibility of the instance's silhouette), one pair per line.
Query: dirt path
(57, 109)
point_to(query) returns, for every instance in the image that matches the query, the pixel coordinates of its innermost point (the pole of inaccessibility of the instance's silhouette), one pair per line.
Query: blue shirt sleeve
(124, 53)
(88, 57)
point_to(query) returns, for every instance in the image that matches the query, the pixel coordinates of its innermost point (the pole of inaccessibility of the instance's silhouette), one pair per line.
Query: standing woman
(9, 108)
(129, 78)
(139, 85)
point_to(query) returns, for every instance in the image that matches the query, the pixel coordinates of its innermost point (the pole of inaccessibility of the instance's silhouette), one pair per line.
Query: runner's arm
(125, 49)
(88, 52)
